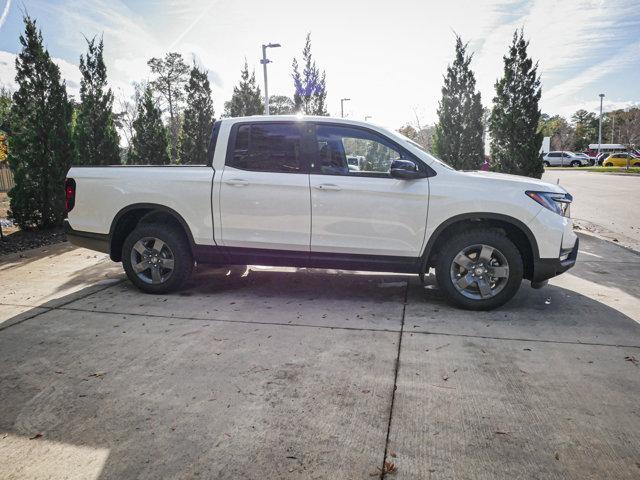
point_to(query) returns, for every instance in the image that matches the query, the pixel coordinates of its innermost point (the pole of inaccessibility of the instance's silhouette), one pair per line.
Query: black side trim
(282, 258)
(93, 241)
(545, 268)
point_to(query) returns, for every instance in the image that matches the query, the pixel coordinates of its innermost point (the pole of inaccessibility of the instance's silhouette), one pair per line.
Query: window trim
(315, 163)
(231, 145)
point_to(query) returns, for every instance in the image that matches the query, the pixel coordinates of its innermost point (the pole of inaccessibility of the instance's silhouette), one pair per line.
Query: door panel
(265, 210)
(356, 206)
(264, 188)
(369, 216)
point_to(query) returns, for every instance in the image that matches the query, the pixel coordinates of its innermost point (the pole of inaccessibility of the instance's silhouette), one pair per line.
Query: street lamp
(342, 100)
(600, 126)
(264, 63)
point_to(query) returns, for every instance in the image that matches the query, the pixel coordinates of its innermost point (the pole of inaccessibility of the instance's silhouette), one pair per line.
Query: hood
(526, 183)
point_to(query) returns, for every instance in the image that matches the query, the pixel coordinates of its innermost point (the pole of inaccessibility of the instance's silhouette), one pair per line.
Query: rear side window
(267, 147)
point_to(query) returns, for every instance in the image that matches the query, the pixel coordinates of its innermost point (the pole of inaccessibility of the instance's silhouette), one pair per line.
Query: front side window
(267, 147)
(352, 151)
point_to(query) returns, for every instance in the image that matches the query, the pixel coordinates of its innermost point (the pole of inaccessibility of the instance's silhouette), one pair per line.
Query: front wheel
(157, 258)
(576, 163)
(479, 269)
(546, 164)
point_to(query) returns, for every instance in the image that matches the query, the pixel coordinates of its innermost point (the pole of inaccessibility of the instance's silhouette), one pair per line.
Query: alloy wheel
(152, 260)
(479, 271)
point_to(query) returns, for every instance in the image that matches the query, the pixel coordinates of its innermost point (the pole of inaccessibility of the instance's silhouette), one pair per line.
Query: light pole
(264, 62)
(342, 100)
(600, 126)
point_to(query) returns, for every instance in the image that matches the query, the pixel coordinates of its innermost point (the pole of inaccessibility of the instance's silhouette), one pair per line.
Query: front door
(264, 192)
(356, 206)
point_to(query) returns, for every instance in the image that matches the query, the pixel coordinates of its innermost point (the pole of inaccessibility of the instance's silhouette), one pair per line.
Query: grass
(623, 170)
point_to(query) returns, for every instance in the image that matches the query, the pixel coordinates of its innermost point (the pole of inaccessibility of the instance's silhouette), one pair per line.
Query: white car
(278, 191)
(565, 159)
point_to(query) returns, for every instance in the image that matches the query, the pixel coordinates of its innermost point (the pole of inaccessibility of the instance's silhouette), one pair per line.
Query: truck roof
(295, 118)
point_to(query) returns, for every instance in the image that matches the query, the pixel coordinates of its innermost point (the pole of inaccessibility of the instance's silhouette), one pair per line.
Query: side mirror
(405, 170)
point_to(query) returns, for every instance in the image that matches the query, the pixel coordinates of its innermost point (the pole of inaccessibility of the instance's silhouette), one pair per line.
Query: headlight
(556, 202)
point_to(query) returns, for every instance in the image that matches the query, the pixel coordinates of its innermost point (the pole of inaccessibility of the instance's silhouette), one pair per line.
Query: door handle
(327, 186)
(237, 182)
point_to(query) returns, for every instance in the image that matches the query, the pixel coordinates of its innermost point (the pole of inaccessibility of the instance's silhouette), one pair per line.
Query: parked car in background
(621, 160)
(601, 158)
(279, 190)
(565, 159)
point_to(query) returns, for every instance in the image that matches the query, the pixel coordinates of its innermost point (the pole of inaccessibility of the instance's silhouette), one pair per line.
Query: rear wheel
(157, 258)
(637, 164)
(479, 270)
(607, 164)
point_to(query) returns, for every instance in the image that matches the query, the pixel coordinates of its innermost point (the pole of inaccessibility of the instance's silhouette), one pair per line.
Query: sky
(388, 57)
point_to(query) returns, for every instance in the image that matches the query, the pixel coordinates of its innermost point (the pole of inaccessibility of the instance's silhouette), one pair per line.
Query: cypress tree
(96, 140)
(149, 144)
(310, 95)
(513, 125)
(246, 98)
(458, 138)
(198, 119)
(40, 146)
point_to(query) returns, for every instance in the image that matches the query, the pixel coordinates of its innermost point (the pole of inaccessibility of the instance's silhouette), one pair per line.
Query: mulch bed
(25, 240)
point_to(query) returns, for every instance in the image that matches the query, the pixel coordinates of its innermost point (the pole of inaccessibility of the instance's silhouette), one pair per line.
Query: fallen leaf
(445, 378)
(393, 454)
(366, 391)
(557, 456)
(37, 435)
(500, 432)
(98, 374)
(632, 359)
(526, 349)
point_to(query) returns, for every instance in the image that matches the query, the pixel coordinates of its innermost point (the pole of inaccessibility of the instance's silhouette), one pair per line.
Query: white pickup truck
(278, 190)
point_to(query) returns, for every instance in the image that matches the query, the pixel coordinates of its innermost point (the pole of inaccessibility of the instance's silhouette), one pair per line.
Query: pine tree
(515, 139)
(171, 76)
(246, 99)
(149, 143)
(40, 146)
(458, 137)
(198, 119)
(96, 140)
(310, 94)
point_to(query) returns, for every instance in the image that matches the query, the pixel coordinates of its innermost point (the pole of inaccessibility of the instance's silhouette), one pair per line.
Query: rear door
(361, 209)
(264, 193)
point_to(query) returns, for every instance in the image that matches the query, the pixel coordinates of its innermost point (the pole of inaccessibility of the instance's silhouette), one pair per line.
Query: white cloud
(68, 71)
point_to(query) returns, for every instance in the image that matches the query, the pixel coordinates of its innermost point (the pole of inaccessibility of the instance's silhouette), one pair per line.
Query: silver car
(565, 159)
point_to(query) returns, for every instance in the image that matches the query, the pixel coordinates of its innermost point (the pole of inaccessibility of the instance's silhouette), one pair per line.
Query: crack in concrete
(383, 470)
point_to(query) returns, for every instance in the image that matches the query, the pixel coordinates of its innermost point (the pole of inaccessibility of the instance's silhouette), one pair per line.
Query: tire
(637, 164)
(607, 164)
(141, 248)
(546, 164)
(575, 163)
(501, 289)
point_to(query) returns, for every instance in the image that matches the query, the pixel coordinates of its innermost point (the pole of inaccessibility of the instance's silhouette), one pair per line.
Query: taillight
(69, 194)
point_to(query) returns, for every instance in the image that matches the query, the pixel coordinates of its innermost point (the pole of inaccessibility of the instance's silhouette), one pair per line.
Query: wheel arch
(514, 229)
(131, 215)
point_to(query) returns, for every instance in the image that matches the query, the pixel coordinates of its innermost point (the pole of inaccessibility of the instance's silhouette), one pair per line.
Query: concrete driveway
(315, 374)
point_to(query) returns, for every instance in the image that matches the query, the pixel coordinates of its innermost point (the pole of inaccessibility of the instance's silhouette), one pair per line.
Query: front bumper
(546, 268)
